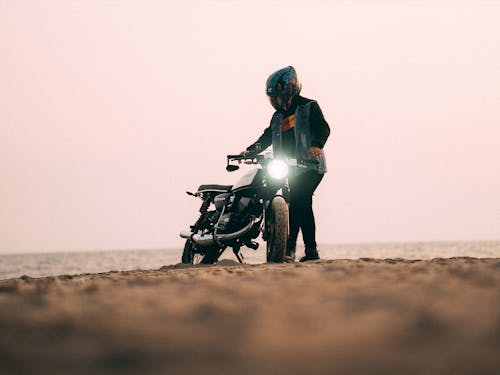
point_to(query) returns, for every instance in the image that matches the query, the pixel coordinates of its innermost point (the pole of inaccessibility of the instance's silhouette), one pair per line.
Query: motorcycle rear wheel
(191, 256)
(277, 230)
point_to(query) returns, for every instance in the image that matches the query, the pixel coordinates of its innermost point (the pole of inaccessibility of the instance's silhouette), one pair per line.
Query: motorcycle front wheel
(191, 256)
(277, 224)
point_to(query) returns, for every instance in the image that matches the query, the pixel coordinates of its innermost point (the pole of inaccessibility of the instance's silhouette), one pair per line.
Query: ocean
(70, 263)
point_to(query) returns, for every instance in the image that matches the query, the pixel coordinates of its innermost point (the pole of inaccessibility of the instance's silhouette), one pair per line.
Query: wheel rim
(197, 257)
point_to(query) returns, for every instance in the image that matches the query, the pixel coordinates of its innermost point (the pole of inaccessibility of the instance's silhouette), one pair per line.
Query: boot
(310, 255)
(290, 255)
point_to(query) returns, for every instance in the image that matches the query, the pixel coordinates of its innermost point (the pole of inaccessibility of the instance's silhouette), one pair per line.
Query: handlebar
(252, 156)
(249, 156)
(239, 156)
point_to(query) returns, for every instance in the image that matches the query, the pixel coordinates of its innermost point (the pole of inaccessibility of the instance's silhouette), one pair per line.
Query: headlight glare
(277, 169)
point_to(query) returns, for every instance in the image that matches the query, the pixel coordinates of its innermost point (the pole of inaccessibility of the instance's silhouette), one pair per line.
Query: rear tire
(278, 230)
(191, 256)
(211, 255)
(188, 252)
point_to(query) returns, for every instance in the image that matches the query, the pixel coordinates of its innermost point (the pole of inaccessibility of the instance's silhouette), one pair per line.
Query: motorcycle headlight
(277, 169)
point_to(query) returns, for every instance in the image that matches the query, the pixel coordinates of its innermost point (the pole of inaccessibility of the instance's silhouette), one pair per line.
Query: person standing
(297, 130)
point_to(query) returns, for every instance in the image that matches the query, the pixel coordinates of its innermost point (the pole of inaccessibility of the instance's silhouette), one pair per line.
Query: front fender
(267, 208)
(267, 203)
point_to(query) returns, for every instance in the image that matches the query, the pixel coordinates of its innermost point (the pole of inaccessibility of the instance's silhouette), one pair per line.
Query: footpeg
(252, 245)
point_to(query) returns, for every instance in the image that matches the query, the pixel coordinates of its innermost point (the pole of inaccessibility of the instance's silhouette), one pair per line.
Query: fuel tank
(250, 179)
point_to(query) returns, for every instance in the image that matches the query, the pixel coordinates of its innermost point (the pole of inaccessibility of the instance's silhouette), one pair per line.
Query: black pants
(302, 188)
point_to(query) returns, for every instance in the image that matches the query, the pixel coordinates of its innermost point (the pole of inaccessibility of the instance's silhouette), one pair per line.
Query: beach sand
(365, 316)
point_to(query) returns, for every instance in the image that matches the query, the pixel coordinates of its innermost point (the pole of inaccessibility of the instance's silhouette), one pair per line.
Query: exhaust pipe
(209, 239)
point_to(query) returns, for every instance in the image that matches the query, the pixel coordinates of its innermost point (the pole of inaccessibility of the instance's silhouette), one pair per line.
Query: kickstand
(238, 255)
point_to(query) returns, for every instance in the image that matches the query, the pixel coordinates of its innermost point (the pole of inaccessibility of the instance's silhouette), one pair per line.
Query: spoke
(197, 258)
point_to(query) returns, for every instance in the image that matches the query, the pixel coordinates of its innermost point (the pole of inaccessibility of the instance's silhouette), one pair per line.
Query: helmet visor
(278, 102)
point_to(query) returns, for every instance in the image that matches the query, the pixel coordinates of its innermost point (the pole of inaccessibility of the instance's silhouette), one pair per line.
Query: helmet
(281, 87)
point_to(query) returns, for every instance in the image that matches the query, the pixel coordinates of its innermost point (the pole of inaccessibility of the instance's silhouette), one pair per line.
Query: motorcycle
(241, 212)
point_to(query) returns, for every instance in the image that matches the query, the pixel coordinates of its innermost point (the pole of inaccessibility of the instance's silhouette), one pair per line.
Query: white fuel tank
(246, 180)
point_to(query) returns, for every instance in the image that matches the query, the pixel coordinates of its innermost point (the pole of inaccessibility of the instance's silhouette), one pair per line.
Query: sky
(111, 110)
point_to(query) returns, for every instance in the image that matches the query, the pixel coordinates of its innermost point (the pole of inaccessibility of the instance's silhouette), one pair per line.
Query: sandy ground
(364, 316)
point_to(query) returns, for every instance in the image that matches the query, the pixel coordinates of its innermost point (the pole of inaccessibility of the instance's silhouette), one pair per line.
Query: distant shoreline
(60, 263)
(176, 248)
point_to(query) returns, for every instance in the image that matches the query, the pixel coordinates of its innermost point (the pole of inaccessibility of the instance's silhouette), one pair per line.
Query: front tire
(277, 230)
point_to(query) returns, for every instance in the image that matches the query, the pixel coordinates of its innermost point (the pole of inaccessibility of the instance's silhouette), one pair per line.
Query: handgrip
(249, 155)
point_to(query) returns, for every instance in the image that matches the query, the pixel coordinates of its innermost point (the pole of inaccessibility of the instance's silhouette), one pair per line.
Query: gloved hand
(315, 152)
(253, 149)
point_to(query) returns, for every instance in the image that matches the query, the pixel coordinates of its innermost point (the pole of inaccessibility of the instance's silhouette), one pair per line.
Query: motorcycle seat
(214, 188)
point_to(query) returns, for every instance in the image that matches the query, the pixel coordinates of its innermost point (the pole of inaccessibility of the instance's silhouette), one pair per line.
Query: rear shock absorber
(204, 206)
(203, 210)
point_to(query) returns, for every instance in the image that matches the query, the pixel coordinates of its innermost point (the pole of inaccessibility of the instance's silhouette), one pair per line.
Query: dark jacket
(319, 129)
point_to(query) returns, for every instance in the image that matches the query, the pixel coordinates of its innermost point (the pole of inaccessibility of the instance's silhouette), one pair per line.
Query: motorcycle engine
(237, 217)
(225, 223)
(209, 221)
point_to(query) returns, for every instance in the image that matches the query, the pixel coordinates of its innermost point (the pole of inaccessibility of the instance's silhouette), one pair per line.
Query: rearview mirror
(232, 168)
